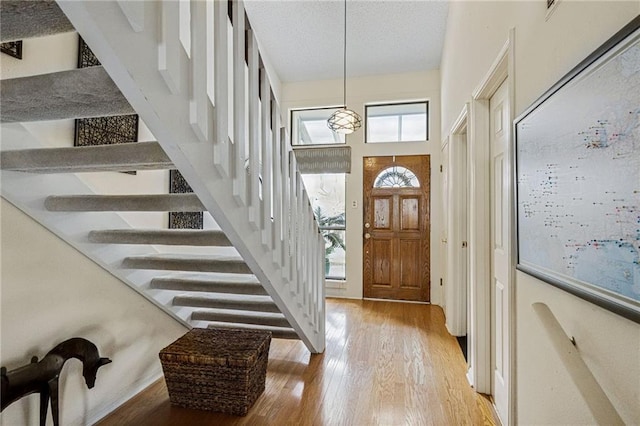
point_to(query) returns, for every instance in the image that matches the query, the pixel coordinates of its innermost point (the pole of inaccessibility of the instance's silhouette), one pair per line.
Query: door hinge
(440, 281)
(440, 168)
(464, 244)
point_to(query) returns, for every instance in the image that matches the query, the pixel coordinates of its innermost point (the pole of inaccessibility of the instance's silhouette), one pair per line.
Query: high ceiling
(304, 38)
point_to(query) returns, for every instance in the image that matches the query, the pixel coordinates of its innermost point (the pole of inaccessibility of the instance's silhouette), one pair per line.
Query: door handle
(367, 236)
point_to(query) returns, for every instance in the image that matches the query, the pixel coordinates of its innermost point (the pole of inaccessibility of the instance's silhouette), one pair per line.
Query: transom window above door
(396, 177)
(407, 122)
(309, 127)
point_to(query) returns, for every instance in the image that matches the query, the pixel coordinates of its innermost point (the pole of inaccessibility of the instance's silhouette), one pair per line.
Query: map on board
(578, 162)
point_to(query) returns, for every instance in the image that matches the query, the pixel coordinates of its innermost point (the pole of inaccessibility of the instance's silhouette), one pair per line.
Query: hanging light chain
(344, 60)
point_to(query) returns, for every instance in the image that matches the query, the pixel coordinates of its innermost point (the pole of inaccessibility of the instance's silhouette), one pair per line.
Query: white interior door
(500, 249)
(457, 241)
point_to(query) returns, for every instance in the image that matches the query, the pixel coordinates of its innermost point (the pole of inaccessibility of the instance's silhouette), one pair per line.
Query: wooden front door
(396, 227)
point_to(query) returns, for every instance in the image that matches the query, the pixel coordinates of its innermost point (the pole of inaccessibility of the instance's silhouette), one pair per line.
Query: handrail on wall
(597, 400)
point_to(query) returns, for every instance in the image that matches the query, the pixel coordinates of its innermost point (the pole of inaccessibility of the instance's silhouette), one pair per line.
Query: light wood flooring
(385, 364)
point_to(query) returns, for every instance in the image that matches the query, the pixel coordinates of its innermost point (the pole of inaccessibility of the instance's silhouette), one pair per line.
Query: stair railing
(193, 72)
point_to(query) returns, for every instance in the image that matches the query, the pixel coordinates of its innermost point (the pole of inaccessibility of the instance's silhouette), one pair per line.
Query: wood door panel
(382, 213)
(410, 255)
(397, 231)
(381, 254)
(409, 214)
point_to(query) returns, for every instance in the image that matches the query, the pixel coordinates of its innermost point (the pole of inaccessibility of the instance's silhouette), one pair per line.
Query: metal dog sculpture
(42, 377)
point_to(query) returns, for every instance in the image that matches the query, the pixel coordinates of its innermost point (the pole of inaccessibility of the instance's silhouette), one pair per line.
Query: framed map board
(578, 179)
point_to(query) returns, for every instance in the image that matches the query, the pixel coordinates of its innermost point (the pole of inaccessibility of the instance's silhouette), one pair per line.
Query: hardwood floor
(385, 364)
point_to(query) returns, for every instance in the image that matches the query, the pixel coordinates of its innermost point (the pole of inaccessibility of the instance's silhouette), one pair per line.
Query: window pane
(396, 177)
(414, 128)
(309, 127)
(397, 123)
(382, 129)
(327, 195)
(335, 258)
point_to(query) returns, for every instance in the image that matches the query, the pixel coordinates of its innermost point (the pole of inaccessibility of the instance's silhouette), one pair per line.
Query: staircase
(261, 264)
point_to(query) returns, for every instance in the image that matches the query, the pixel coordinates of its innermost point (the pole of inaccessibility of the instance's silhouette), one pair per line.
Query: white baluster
(303, 243)
(267, 162)
(308, 253)
(286, 213)
(299, 225)
(302, 213)
(308, 258)
(222, 148)
(239, 104)
(210, 50)
(254, 132)
(184, 14)
(169, 51)
(311, 262)
(320, 306)
(293, 222)
(199, 106)
(276, 174)
(315, 253)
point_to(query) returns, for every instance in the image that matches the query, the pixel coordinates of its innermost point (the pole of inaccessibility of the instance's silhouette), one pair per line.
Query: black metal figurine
(42, 377)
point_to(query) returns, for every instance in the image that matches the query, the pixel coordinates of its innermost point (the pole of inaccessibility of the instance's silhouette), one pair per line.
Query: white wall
(544, 52)
(375, 89)
(50, 292)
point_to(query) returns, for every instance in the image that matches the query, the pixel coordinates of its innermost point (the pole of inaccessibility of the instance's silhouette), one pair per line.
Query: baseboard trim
(138, 387)
(396, 301)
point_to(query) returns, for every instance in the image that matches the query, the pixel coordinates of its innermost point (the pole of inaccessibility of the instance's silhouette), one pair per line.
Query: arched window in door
(396, 177)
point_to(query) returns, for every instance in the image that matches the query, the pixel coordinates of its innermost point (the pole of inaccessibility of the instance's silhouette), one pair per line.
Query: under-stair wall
(50, 292)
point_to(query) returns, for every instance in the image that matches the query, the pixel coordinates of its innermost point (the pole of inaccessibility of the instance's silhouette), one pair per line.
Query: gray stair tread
(99, 158)
(208, 285)
(151, 203)
(26, 19)
(78, 93)
(169, 262)
(161, 237)
(269, 319)
(277, 332)
(246, 303)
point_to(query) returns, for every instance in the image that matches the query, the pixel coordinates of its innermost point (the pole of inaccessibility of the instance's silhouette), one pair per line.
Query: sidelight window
(327, 195)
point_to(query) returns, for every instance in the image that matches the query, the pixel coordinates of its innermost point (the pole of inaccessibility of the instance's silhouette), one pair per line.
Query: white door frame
(457, 227)
(480, 372)
(444, 172)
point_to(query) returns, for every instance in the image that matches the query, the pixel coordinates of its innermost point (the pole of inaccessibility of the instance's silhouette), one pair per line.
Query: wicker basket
(217, 369)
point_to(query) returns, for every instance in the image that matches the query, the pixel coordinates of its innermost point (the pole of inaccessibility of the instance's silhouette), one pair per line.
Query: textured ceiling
(304, 38)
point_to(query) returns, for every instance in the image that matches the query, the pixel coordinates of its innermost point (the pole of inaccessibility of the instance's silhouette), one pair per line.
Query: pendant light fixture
(344, 120)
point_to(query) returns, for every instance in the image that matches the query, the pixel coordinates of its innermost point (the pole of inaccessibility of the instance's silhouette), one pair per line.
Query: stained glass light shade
(396, 177)
(344, 121)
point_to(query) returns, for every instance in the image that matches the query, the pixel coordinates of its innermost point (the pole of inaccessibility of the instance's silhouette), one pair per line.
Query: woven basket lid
(216, 346)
